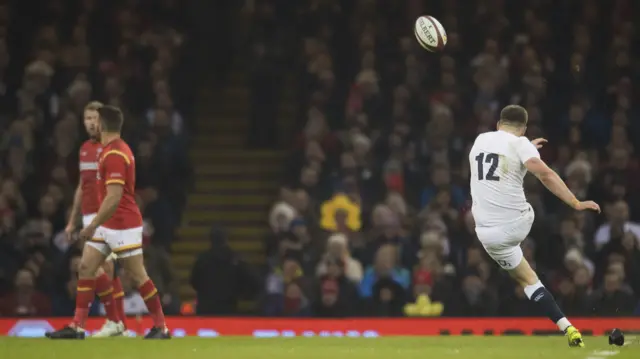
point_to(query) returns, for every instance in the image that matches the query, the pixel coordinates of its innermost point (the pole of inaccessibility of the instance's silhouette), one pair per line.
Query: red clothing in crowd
(34, 304)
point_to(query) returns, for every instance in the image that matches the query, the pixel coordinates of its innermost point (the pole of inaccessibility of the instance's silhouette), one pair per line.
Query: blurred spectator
(476, 298)
(25, 300)
(337, 294)
(287, 291)
(612, 299)
(387, 300)
(220, 277)
(338, 247)
(618, 223)
(385, 266)
(381, 150)
(573, 292)
(441, 185)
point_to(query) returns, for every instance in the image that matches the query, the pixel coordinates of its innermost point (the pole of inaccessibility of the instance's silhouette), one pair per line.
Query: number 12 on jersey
(489, 158)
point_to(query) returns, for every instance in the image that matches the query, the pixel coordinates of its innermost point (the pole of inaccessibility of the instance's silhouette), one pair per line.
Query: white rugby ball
(430, 33)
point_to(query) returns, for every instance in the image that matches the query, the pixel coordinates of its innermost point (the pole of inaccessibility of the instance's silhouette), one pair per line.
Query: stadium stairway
(234, 186)
(287, 111)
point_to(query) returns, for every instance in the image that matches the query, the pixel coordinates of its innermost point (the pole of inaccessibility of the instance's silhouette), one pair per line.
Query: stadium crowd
(373, 217)
(123, 53)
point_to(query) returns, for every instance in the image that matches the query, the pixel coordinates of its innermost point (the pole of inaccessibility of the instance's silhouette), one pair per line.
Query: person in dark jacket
(388, 299)
(336, 296)
(220, 277)
(613, 299)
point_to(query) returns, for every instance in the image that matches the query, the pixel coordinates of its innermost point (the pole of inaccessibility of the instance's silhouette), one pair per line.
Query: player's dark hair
(514, 115)
(111, 118)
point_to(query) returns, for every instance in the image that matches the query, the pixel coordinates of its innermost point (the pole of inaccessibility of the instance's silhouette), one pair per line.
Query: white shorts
(116, 243)
(502, 242)
(86, 220)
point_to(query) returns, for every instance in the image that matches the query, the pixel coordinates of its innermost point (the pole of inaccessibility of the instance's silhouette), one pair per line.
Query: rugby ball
(430, 33)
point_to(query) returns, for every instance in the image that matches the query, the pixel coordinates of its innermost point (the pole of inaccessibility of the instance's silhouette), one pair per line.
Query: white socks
(549, 305)
(530, 289)
(563, 324)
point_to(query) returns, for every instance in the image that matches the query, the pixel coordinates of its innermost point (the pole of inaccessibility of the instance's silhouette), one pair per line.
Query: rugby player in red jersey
(85, 202)
(116, 228)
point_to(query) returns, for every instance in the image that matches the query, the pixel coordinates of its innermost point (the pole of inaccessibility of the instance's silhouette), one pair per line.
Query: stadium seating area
(373, 217)
(51, 65)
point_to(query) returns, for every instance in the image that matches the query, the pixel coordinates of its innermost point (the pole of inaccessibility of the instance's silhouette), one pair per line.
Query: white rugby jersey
(497, 170)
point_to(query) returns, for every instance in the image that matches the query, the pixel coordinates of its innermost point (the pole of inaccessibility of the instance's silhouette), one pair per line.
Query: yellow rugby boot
(574, 337)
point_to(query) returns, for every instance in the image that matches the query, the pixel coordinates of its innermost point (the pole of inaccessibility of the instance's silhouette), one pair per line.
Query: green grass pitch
(321, 348)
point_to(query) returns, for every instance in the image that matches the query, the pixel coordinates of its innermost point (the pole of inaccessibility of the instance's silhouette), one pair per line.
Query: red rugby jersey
(89, 152)
(116, 165)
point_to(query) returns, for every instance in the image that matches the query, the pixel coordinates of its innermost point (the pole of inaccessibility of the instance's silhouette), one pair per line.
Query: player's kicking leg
(92, 258)
(105, 288)
(538, 294)
(132, 261)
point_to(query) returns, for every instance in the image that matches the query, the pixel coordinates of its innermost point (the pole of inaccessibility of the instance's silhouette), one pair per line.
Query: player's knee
(139, 278)
(137, 274)
(524, 274)
(86, 269)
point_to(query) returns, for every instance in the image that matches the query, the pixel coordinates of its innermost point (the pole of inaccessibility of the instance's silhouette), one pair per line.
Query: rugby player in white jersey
(499, 161)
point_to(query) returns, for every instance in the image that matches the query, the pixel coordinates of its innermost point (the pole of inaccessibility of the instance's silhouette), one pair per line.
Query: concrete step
(202, 232)
(237, 77)
(228, 217)
(232, 108)
(236, 192)
(247, 184)
(219, 140)
(253, 171)
(237, 155)
(225, 107)
(186, 291)
(229, 225)
(229, 207)
(206, 199)
(287, 108)
(183, 274)
(208, 160)
(186, 249)
(231, 90)
(233, 124)
(184, 260)
(237, 91)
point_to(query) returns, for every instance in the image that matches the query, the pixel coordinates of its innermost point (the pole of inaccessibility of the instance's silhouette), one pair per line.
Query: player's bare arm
(109, 204)
(107, 209)
(556, 185)
(75, 212)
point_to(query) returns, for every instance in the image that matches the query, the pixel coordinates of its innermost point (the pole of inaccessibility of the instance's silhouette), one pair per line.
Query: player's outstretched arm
(556, 185)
